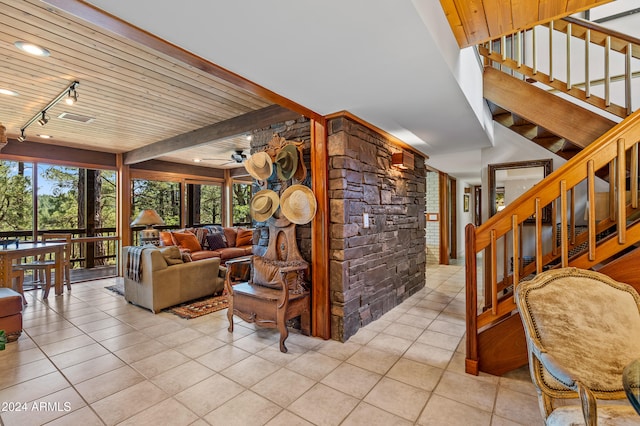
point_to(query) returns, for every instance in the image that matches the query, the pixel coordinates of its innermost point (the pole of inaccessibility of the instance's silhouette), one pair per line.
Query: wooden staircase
(594, 146)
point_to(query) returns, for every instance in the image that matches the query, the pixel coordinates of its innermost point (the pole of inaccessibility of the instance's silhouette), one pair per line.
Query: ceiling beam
(205, 135)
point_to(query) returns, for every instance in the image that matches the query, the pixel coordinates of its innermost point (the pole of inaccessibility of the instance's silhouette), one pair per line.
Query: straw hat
(259, 165)
(287, 161)
(298, 204)
(264, 204)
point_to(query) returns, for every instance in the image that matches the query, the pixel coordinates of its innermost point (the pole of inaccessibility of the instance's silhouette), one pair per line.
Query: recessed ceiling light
(45, 136)
(197, 160)
(31, 48)
(8, 92)
(249, 137)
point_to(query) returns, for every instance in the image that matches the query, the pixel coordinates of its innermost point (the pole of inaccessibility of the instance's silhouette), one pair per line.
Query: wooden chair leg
(282, 328)
(47, 281)
(67, 274)
(19, 286)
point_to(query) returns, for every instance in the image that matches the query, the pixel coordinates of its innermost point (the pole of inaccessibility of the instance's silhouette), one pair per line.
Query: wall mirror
(507, 181)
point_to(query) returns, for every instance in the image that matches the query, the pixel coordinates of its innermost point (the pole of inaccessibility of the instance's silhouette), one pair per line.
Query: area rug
(200, 307)
(118, 288)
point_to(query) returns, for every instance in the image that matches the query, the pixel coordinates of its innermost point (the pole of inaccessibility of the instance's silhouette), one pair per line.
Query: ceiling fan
(237, 157)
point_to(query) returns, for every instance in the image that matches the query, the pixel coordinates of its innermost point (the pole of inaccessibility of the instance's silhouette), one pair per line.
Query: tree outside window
(241, 204)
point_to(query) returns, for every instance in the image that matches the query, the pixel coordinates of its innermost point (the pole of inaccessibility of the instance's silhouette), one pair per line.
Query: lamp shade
(147, 217)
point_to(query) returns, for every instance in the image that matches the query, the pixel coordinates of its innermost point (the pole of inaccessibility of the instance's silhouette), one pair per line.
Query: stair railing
(524, 55)
(501, 244)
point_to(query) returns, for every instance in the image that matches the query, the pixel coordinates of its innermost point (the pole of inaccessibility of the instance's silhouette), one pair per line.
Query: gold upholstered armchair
(582, 329)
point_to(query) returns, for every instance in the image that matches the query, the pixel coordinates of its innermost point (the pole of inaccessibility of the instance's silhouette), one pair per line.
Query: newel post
(471, 293)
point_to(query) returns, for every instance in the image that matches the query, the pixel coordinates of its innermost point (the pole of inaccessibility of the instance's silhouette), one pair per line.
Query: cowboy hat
(264, 204)
(259, 165)
(298, 204)
(287, 161)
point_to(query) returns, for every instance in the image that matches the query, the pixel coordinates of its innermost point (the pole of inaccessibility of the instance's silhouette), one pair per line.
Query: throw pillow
(244, 238)
(187, 240)
(171, 255)
(230, 236)
(216, 241)
(166, 239)
(265, 273)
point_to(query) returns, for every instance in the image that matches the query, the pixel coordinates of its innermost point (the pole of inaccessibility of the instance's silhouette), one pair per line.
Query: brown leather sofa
(11, 313)
(202, 243)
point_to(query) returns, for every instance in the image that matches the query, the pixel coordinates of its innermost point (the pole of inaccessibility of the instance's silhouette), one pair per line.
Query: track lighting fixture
(70, 95)
(44, 119)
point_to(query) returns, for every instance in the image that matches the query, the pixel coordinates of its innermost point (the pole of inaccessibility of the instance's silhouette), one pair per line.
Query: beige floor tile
(85, 416)
(404, 331)
(34, 389)
(111, 332)
(439, 340)
(45, 409)
(24, 372)
(223, 357)
(313, 365)
(423, 312)
(378, 325)
(159, 363)
(165, 412)
(256, 342)
(447, 327)
(368, 415)
(416, 374)
(283, 387)
(52, 327)
(90, 317)
(250, 370)
(443, 411)
(519, 380)
(209, 394)
(501, 421)
(124, 341)
(352, 380)
(128, 402)
(373, 360)
(299, 339)
(477, 393)
(55, 348)
(181, 377)
(362, 336)
(287, 418)
(398, 398)
(79, 312)
(45, 339)
(109, 383)
(10, 358)
(322, 405)
(224, 335)
(200, 346)
(157, 330)
(273, 354)
(338, 350)
(427, 354)
(79, 355)
(414, 321)
(519, 407)
(94, 367)
(246, 409)
(181, 337)
(140, 351)
(388, 343)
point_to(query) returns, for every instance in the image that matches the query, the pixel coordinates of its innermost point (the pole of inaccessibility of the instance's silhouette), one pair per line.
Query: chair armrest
(553, 366)
(286, 269)
(222, 271)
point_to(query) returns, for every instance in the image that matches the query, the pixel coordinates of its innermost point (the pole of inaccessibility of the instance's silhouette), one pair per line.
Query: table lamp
(149, 235)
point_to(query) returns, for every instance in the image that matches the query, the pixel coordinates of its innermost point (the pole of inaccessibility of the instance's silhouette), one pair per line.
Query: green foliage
(163, 197)
(210, 204)
(60, 209)
(3, 340)
(16, 206)
(241, 203)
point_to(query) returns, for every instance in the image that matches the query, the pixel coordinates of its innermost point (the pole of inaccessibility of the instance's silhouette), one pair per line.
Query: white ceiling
(393, 63)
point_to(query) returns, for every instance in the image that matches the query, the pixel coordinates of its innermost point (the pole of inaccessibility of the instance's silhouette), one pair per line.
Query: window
(16, 197)
(164, 197)
(241, 204)
(206, 203)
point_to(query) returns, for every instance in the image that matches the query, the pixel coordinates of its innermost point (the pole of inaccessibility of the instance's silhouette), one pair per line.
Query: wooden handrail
(557, 188)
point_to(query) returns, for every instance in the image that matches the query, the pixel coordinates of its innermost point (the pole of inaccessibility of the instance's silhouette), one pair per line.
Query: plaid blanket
(133, 270)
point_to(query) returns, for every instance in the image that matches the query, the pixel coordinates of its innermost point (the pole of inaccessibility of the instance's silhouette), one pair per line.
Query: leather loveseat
(165, 280)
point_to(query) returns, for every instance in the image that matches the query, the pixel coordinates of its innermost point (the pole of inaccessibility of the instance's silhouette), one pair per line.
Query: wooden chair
(40, 267)
(66, 262)
(276, 292)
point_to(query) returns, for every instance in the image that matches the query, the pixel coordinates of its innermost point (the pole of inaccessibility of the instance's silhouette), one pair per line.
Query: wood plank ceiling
(134, 95)
(476, 21)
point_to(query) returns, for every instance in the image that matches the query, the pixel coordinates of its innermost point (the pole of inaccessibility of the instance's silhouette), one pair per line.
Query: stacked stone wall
(372, 269)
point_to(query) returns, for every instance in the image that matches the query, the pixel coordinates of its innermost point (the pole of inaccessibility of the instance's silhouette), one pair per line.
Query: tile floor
(89, 358)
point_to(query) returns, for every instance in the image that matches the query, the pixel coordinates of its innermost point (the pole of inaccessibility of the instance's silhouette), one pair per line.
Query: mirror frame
(546, 164)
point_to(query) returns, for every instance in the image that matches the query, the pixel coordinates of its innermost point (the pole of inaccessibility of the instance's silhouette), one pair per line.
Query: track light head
(22, 137)
(44, 119)
(72, 96)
